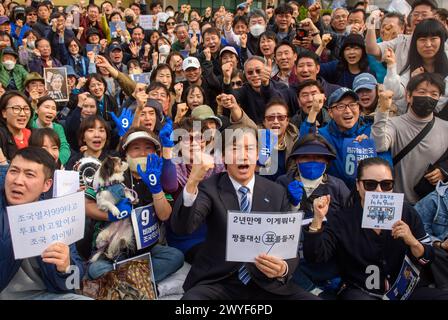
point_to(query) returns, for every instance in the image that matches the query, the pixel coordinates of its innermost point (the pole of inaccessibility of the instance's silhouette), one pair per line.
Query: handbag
(424, 187)
(439, 268)
(131, 281)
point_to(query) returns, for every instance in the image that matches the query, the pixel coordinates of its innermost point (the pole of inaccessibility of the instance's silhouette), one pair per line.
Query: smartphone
(301, 33)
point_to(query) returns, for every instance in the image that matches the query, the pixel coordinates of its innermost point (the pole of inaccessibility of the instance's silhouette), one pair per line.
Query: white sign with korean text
(250, 234)
(382, 210)
(34, 226)
(65, 182)
(149, 22)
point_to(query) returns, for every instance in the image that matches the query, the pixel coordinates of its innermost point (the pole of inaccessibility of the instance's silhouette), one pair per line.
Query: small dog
(118, 235)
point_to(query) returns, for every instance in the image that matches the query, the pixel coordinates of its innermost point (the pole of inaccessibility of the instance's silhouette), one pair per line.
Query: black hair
(192, 88)
(343, 64)
(154, 4)
(364, 14)
(211, 30)
(283, 9)
(362, 165)
(9, 95)
(238, 19)
(78, 43)
(97, 77)
(430, 3)
(428, 28)
(432, 78)
(134, 62)
(43, 99)
(277, 101)
(309, 54)
(38, 135)
(89, 123)
(40, 156)
(163, 66)
(285, 43)
(3, 34)
(156, 85)
(308, 83)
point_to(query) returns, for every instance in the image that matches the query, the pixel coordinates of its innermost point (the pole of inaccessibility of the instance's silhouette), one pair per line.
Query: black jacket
(215, 197)
(356, 248)
(7, 142)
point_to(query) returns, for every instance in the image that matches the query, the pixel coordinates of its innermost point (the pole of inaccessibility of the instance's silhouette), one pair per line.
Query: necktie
(243, 273)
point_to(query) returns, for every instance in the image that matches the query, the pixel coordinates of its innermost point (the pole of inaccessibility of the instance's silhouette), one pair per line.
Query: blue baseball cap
(364, 81)
(340, 93)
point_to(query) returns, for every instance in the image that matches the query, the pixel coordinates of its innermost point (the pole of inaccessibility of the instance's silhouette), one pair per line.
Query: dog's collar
(112, 183)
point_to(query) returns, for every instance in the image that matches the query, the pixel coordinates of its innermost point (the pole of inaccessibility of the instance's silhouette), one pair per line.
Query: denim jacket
(433, 209)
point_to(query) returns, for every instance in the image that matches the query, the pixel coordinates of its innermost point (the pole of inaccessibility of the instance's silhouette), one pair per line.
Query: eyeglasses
(238, 83)
(252, 72)
(18, 109)
(170, 23)
(32, 14)
(280, 117)
(342, 106)
(371, 185)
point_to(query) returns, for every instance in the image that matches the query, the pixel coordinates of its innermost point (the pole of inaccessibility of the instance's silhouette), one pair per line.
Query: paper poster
(354, 151)
(146, 226)
(147, 22)
(141, 77)
(34, 226)
(56, 83)
(65, 182)
(405, 283)
(96, 48)
(250, 234)
(382, 210)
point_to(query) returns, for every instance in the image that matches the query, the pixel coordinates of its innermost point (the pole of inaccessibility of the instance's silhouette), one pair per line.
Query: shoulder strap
(411, 145)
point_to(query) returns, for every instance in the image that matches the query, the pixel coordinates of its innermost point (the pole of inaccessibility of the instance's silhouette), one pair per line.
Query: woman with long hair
(352, 61)
(426, 54)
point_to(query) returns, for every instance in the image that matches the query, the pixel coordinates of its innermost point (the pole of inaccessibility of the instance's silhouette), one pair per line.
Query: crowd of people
(296, 81)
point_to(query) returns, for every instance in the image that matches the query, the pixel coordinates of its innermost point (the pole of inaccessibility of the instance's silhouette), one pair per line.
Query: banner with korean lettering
(354, 151)
(250, 234)
(146, 226)
(34, 226)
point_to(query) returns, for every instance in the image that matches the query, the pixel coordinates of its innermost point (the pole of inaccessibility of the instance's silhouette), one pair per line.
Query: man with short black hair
(283, 23)
(30, 174)
(424, 160)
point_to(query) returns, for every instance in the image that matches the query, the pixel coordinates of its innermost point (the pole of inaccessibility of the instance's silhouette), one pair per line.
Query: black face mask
(129, 19)
(423, 106)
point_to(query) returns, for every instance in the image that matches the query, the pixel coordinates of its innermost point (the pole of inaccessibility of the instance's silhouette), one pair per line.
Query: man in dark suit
(211, 276)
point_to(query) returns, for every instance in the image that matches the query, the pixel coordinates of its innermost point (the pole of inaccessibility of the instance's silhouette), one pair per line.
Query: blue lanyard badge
(405, 283)
(353, 152)
(146, 226)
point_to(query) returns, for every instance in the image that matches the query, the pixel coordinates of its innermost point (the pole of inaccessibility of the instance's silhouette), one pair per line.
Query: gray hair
(255, 13)
(257, 58)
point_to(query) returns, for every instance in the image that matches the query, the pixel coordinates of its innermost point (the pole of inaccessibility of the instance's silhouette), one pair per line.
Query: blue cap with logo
(364, 81)
(340, 93)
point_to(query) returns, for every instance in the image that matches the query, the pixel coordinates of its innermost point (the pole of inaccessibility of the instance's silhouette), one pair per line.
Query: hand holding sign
(151, 176)
(59, 255)
(124, 121)
(271, 266)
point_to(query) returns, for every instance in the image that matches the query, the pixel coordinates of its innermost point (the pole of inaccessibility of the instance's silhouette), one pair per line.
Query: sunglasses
(252, 72)
(170, 23)
(371, 185)
(280, 117)
(237, 83)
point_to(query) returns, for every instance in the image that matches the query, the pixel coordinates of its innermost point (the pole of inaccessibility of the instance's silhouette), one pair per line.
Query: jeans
(165, 261)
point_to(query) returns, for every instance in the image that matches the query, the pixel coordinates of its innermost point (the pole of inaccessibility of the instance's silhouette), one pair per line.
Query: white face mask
(31, 44)
(9, 65)
(134, 162)
(257, 29)
(164, 49)
(170, 13)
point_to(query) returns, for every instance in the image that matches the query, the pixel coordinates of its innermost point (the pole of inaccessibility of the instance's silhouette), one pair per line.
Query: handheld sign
(354, 152)
(141, 77)
(147, 22)
(382, 210)
(34, 226)
(146, 226)
(115, 27)
(250, 234)
(405, 283)
(56, 83)
(65, 182)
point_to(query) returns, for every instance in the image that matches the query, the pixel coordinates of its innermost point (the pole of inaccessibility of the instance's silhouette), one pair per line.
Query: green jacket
(64, 150)
(19, 74)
